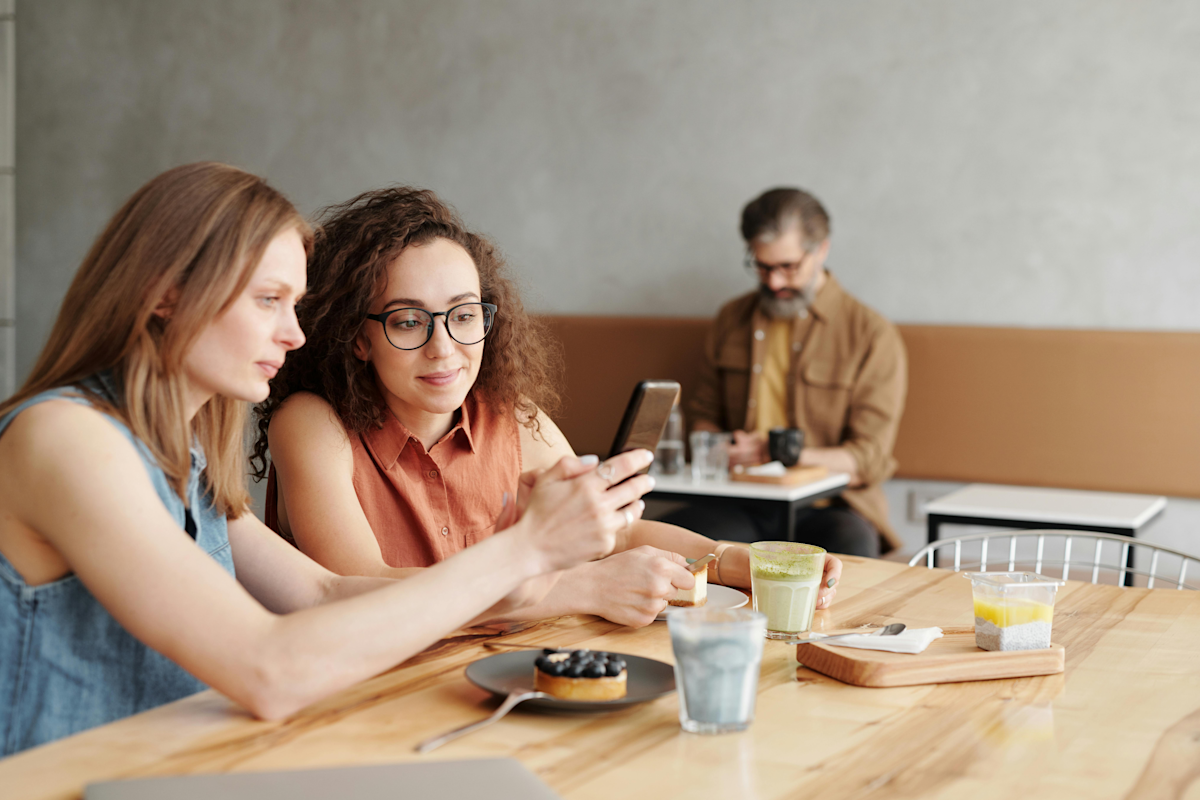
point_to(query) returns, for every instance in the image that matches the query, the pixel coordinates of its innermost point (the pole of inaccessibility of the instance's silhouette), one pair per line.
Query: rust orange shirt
(426, 506)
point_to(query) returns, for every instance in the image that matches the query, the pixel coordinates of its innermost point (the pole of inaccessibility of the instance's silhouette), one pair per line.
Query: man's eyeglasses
(765, 271)
(412, 328)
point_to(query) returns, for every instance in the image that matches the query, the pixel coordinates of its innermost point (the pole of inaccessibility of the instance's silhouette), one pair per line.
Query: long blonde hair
(194, 233)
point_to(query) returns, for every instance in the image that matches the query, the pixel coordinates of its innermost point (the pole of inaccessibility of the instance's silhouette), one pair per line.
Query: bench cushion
(1082, 409)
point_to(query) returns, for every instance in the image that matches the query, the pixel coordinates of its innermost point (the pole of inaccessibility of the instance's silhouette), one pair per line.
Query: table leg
(1128, 579)
(933, 522)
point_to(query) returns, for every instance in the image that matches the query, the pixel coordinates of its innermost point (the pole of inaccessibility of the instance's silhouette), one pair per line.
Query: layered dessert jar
(1013, 610)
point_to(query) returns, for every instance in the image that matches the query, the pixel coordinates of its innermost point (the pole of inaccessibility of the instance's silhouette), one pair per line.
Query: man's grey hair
(777, 211)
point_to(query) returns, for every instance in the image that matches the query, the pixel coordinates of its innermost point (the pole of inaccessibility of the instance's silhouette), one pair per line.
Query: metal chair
(1125, 545)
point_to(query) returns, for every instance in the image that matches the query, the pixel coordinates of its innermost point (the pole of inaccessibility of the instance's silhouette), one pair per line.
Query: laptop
(492, 778)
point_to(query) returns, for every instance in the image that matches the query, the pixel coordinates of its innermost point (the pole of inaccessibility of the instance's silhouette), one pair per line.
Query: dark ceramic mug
(785, 444)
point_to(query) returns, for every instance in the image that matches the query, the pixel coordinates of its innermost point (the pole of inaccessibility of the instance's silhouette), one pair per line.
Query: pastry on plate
(696, 596)
(580, 674)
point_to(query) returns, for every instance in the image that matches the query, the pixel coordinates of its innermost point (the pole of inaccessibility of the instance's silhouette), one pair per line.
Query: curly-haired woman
(421, 398)
(131, 573)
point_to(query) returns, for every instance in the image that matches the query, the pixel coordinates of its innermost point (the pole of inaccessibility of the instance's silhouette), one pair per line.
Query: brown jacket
(846, 387)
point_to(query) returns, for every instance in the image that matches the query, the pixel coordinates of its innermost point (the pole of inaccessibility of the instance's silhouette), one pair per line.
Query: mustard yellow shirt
(773, 383)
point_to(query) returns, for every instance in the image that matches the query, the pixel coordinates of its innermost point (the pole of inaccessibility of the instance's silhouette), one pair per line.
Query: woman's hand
(630, 588)
(829, 581)
(576, 509)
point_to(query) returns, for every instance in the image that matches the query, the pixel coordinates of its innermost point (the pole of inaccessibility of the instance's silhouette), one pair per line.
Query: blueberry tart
(580, 674)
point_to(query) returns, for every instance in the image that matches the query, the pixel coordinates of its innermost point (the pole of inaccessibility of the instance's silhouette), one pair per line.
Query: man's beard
(787, 307)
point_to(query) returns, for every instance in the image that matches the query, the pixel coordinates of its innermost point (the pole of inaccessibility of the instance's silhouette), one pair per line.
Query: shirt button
(758, 368)
(796, 346)
(752, 403)
(433, 473)
(445, 531)
(759, 335)
(803, 313)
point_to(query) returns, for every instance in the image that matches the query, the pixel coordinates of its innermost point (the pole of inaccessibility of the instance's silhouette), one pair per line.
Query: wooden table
(710, 493)
(1123, 721)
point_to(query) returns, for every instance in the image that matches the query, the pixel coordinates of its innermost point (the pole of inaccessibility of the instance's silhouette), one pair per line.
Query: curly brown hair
(355, 243)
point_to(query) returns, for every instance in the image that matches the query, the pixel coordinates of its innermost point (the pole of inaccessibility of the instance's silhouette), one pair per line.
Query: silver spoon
(890, 630)
(509, 704)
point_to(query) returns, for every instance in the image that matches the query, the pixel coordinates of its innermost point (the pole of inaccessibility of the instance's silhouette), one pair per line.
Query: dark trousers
(836, 527)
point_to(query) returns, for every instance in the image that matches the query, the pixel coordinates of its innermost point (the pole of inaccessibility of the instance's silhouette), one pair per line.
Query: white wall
(1025, 163)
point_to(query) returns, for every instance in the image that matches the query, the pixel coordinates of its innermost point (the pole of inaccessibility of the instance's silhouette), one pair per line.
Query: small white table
(1030, 508)
(683, 488)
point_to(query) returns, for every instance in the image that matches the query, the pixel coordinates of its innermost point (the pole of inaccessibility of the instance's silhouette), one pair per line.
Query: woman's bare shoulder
(307, 420)
(542, 444)
(66, 447)
(46, 427)
(307, 413)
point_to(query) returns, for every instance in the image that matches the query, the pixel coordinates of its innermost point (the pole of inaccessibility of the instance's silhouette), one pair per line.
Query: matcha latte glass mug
(785, 578)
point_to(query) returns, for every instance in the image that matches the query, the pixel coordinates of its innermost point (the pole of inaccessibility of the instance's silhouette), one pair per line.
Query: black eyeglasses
(412, 328)
(756, 267)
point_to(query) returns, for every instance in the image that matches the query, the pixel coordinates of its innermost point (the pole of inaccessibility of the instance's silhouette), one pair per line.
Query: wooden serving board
(951, 659)
(795, 476)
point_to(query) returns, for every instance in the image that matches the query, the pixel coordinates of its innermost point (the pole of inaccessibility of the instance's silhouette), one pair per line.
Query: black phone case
(645, 417)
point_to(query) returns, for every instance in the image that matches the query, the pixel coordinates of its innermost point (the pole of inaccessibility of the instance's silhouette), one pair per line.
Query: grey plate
(506, 673)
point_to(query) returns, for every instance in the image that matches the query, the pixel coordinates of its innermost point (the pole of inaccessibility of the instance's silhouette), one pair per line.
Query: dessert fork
(890, 630)
(509, 704)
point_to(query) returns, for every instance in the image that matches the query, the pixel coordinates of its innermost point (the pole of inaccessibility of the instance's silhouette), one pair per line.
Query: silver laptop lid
(492, 778)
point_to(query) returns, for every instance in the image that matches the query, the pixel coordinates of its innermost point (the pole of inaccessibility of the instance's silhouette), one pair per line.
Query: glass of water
(668, 458)
(718, 654)
(710, 455)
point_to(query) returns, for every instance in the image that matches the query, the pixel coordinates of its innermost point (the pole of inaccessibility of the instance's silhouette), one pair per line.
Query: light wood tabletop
(1122, 721)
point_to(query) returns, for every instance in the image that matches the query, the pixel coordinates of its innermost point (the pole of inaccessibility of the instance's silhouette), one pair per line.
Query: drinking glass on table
(668, 458)
(785, 578)
(710, 455)
(718, 655)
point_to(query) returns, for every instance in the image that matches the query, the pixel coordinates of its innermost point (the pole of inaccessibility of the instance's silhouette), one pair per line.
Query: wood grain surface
(951, 659)
(1123, 719)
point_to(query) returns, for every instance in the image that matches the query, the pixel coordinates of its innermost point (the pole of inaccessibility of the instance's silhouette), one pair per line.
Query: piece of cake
(580, 675)
(696, 596)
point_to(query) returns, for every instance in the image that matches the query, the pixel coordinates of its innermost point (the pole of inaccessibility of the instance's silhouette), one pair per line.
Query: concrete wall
(1021, 163)
(8, 291)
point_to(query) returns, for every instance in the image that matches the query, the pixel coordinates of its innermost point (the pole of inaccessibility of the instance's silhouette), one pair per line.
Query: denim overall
(65, 664)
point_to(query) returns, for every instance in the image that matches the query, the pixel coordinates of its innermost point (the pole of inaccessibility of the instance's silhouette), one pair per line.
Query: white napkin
(912, 640)
(772, 469)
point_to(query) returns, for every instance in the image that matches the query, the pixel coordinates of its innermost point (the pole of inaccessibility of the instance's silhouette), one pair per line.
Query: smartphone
(645, 417)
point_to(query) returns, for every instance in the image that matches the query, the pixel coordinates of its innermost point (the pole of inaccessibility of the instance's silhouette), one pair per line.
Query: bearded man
(801, 352)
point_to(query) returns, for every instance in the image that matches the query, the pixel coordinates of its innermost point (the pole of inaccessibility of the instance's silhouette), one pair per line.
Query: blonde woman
(131, 573)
